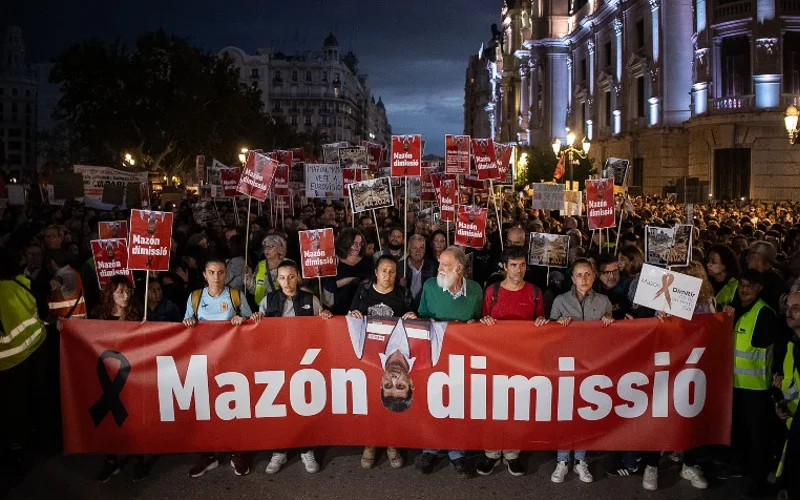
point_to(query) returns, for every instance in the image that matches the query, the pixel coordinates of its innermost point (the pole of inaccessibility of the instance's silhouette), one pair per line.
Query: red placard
(600, 203)
(471, 226)
(298, 155)
(113, 229)
(427, 189)
(485, 160)
(406, 155)
(464, 195)
(212, 388)
(456, 154)
(150, 240)
(374, 155)
(256, 178)
(110, 259)
(317, 253)
(349, 176)
(280, 181)
(447, 199)
(503, 154)
(229, 177)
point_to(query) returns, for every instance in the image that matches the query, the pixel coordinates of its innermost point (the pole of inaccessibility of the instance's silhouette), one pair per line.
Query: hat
(753, 276)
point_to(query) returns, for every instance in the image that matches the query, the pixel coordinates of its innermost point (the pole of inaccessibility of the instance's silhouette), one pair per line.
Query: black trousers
(25, 405)
(750, 440)
(791, 466)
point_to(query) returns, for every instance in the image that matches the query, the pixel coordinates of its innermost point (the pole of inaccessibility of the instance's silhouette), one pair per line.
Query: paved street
(341, 477)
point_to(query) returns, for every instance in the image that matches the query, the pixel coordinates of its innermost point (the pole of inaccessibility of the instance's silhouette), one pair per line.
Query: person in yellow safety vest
(755, 333)
(22, 358)
(266, 276)
(790, 387)
(66, 298)
(723, 269)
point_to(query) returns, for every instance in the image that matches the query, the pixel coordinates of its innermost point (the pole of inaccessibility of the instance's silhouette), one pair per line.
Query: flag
(560, 168)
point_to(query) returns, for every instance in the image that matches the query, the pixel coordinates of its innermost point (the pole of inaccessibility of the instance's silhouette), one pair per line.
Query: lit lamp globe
(556, 146)
(570, 139)
(790, 121)
(586, 145)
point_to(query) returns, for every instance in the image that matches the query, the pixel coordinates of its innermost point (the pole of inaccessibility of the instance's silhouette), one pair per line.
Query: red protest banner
(600, 203)
(280, 181)
(229, 177)
(298, 155)
(256, 179)
(503, 154)
(485, 160)
(447, 199)
(471, 226)
(374, 154)
(349, 176)
(318, 254)
(427, 188)
(150, 240)
(114, 229)
(130, 387)
(110, 259)
(456, 154)
(406, 155)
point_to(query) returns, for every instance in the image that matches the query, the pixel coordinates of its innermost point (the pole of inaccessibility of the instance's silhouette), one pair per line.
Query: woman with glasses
(352, 269)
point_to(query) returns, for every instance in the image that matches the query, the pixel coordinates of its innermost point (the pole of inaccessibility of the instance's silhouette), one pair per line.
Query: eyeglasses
(610, 273)
(126, 291)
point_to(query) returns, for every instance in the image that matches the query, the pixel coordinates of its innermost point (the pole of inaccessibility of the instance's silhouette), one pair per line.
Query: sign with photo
(324, 180)
(349, 176)
(657, 244)
(110, 259)
(280, 182)
(600, 203)
(471, 226)
(318, 253)
(667, 291)
(547, 196)
(617, 169)
(485, 159)
(503, 154)
(150, 240)
(371, 195)
(547, 249)
(573, 203)
(681, 252)
(229, 178)
(330, 152)
(374, 153)
(456, 155)
(406, 155)
(353, 157)
(448, 200)
(112, 230)
(257, 175)
(427, 189)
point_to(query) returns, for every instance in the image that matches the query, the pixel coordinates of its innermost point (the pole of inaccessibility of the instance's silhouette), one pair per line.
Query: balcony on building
(728, 11)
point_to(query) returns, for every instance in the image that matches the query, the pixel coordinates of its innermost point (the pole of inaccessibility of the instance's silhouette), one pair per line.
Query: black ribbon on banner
(110, 401)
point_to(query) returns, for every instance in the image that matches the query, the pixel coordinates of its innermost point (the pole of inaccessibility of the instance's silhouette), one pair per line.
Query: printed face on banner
(323, 181)
(681, 251)
(657, 245)
(229, 177)
(406, 155)
(617, 169)
(280, 182)
(374, 155)
(600, 203)
(464, 195)
(111, 230)
(150, 240)
(318, 253)
(549, 250)
(456, 154)
(349, 176)
(667, 291)
(110, 259)
(503, 154)
(256, 178)
(471, 226)
(447, 200)
(485, 160)
(371, 195)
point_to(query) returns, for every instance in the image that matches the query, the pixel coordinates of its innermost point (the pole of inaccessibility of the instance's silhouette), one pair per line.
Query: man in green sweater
(449, 297)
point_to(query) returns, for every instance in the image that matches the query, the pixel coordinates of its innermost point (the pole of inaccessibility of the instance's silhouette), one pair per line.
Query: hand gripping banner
(298, 382)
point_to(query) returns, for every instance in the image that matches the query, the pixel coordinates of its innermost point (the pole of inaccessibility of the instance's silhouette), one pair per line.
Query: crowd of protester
(747, 255)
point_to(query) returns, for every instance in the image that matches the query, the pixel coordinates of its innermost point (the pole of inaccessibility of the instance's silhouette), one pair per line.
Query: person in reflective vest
(723, 270)
(66, 297)
(266, 277)
(755, 333)
(787, 409)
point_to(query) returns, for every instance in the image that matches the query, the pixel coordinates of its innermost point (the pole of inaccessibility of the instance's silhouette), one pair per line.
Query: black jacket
(303, 304)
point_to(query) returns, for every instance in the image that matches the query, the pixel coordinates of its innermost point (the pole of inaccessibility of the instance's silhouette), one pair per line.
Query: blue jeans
(563, 455)
(451, 454)
(629, 459)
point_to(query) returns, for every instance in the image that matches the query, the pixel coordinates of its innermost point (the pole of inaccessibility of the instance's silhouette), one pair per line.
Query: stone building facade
(18, 106)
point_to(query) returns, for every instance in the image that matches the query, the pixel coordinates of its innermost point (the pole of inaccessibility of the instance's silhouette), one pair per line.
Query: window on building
(294, 121)
(324, 121)
(324, 76)
(640, 34)
(276, 105)
(607, 118)
(307, 120)
(27, 92)
(607, 52)
(640, 97)
(338, 121)
(294, 75)
(13, 92)
(736, 76)
(254, 73)
(791, 63)
(308, 76)
(15, 132)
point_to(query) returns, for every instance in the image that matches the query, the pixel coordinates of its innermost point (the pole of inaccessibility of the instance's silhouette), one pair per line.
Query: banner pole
(319, 281)
(447, 232)
(619, 228)
(405, 225)
(497, 213)
(548, 276)
(235, 212)
(146, 290)
(375, 218)
(247, 239)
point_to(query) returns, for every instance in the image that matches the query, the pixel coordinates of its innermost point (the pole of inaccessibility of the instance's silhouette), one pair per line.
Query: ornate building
(316, 90)
(680, 87)
(17, 105)
(477, 93)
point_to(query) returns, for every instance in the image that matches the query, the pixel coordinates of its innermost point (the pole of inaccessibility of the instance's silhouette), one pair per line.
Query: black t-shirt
(369, 301)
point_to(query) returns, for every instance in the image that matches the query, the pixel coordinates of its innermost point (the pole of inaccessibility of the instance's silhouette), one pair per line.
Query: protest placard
(374, 153)
(600, 203)
(406, 155)
(371, 195)
(150, 240)
(667, 291)
(503, 154)
(485, 159)
(447, 199)
(229, 178)
(256, 178)
(471, 226)
(330, 152)
(110, 259)
(547, 196)
(317, 253)
(657, 245)
(456, 155)
(323, 180)
(112, 229)
(549, 250)
(280, 182)
(680, 252)
(617, 169)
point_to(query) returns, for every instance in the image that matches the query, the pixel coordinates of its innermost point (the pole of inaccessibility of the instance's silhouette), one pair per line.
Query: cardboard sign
(548, 196)
(447, 199)
(374, 154)
(406, 155)
(324, 181)
(549, 250)
(229, 177)
(600, 203)
(110, 259)
(503, 154)
(330, 152)
(150, 240)
(280, 182)
(680, 254)
(256, 178)
(456, 154)
(657, 244)
(617, 169)
(667, 291)
(485, 159)
(371, 195)
(318, 253)
(112, 230)
(471, 226)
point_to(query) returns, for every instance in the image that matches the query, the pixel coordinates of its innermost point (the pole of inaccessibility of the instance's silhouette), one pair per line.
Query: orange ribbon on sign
(666, 281)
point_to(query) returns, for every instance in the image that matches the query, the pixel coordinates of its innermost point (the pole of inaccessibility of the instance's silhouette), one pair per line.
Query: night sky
(415, 52)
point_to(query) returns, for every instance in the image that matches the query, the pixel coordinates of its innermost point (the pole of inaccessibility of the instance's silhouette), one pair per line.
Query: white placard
(548, 196)
(324, 180)
(667, 291)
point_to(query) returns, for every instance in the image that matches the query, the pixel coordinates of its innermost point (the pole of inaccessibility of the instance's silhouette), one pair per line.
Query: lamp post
(790, 122)
(128, 160)
(243, 156)
(571, 151)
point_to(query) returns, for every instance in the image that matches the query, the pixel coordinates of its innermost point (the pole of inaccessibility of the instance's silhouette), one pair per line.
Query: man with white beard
(449, 297)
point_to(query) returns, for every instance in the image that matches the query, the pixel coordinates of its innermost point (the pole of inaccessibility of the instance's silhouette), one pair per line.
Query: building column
(654, 111)
(616, 125)
(524, 104)
(533, 94)
(767, 74)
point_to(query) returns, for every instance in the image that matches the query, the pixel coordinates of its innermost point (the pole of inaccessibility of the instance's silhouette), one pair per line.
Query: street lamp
(243, 155)
(571, 151)
(790, 121)
(128, 161)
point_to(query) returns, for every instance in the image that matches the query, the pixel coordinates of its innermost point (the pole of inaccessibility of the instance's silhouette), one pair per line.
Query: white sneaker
(695, 476)
(650, 479)
(275, 463)
(582, 469)
(560, 473)
(310, 462)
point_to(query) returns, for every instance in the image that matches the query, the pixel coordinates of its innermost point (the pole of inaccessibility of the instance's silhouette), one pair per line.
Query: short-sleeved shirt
(219, 308)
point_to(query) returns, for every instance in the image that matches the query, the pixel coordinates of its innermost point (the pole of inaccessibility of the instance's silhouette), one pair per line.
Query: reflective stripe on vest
(791, 380)
(23, 338)
(750, 364)
(261, 281)
(60, 305)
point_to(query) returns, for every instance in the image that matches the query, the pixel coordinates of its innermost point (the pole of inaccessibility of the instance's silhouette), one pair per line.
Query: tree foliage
(542, 163)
